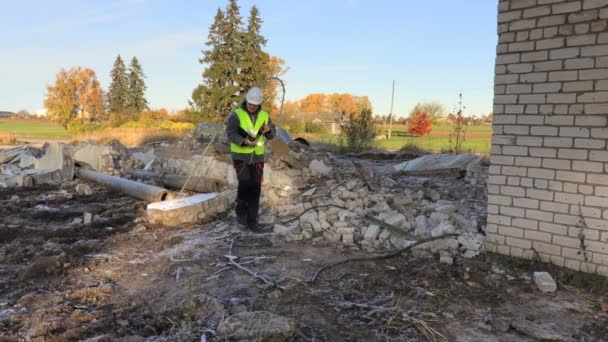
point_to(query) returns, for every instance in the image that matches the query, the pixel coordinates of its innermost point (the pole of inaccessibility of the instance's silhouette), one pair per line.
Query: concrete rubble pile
(55, 162)
(27, 166)
(340, 207)
(306, 195)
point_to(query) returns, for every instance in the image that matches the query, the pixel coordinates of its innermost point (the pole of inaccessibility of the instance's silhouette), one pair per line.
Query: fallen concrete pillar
(189, 209)
(198, 184)
(138, 190)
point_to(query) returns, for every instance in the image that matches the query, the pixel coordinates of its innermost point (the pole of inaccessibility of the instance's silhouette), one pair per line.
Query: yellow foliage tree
(75, 94)
(154, 115)
(314, 103)
(342, 103)
(291, 107)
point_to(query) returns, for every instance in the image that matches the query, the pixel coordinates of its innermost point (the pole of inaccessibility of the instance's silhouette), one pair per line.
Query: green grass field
(478, 139)
(33, 128)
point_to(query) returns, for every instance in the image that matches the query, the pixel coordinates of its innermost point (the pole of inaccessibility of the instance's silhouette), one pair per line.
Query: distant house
(4, 114)
(331, 121)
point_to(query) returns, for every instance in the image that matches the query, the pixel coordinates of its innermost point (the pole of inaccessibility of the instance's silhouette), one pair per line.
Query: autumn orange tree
(419, 124)
(76, 96)
(336, 103)
(314, 103)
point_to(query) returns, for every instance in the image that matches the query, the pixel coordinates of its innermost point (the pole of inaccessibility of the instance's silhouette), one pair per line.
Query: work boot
(254, 227)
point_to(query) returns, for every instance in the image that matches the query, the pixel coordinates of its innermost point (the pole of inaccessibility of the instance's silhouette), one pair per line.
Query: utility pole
(390, 116)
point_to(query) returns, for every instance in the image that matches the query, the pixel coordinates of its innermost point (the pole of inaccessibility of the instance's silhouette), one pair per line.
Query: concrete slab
(89, 155)
(7, 155)
(56, 158)
(184, 210)
(436, 163)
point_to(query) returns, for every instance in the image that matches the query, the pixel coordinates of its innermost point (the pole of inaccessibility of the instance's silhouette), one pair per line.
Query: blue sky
(433, 49)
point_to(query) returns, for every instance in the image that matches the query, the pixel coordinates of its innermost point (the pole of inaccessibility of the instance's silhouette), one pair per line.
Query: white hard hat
(254, 96)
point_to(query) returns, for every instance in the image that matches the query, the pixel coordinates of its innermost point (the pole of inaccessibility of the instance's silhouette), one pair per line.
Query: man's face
(251, 108)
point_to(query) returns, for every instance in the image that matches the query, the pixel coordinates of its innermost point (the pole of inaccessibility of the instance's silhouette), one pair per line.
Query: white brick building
(548, 179)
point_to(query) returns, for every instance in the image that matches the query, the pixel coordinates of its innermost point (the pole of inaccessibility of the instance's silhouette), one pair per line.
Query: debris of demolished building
(357, 203)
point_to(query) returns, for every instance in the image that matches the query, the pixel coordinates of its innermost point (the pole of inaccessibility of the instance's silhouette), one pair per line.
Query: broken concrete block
(470, 254)
(8, 181)
(285, 230)
(345, 230)
(88, 218)
(384, 235)
(310, 216)
(325, 225)
(463, 223)
(399, 242)
(402, 201)
(421, 221)
(318, 168)
(145, 157)
(7, 155)
(447, 244)
(316, 226)
(396, 220)
(55, 157)
(45, 176)
(24, 179)
(545, 282)
(352, 184)
(307, 234)
(445, 257)
(267, 220)
(443, 228)
(295, 209)
(348, 239)
(472, 242)
(348, 195)
(178, 211)
(372, 233)
(436, 219)
(332, 236)
(84, 189)
(388, 183)
(446, 209)
(89, 155)
(344, 214)
(26, 160)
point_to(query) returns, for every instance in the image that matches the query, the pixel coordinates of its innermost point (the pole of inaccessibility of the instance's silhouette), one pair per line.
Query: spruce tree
(137, 102)
(119, 88)
(255, 61)
(220, 91)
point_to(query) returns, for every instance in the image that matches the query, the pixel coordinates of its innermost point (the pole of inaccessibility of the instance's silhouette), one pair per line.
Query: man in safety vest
(248, 127)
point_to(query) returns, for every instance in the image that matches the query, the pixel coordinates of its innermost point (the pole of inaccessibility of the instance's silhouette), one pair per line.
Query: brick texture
(548, 177)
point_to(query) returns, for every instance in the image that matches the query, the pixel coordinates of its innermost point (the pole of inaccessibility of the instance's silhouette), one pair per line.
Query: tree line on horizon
(234, 60)
(77, 98)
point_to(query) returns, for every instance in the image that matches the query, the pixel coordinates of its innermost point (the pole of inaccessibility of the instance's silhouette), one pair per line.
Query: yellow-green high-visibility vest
(249, 127)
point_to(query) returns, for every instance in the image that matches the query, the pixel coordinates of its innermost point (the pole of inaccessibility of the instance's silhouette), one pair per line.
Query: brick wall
(548, 179)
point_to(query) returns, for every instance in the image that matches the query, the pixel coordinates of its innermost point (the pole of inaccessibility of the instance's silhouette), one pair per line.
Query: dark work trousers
(250, 177)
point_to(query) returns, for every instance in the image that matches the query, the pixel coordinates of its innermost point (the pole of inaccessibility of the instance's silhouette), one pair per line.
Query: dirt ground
(121, 279)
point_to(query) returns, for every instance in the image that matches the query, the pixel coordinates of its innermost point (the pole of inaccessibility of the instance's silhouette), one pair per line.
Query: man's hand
(249, 142)
(265, 129)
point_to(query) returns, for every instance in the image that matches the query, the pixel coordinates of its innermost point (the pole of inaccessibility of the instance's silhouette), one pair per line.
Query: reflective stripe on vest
(248, 126)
